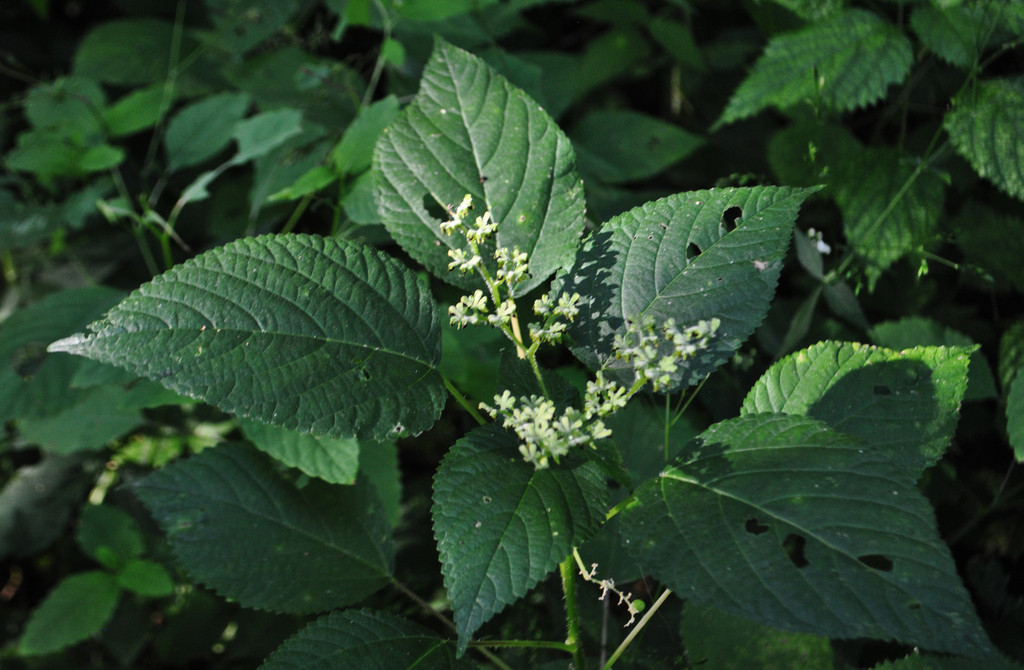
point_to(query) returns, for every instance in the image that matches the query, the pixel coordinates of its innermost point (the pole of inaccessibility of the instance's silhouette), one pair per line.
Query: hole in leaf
(692, 251)
(729, 218)
(364, 375)
(434, 208)
(876, 562)
(914, 604)
(883, 390)
(754, 527)
(794, 547)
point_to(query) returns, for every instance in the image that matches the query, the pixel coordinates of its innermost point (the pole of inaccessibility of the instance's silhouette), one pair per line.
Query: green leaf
(677, 39)
(136, 111)
(99, 418)
(335, 460)
(639, 431)
(846, 62)
(129, 52)
(378, 463)
(905, 404)
(501, 526)
(312, 334)
(784, 521)
(889, 207)
(955, 33)
(364, 638)
(326, 91)
(1011, 353)
(677, 258)
(354, 153)
(145, 578)
(1015, 417)
(258, 135)
(243, 530)
(70, 106)
(310, 182)
(76, 609)
(986, 126)
(241, 25)
(202, 130)
(717, 640)
(915, 331)
(33, 382)
(992, 240)
(617, 146)
(805, 153)
(109, 535)
(37, 502)
(470, 131)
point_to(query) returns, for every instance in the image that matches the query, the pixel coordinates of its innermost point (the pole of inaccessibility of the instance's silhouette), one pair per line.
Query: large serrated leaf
(471, 131)
(364, 639)
(784, 521)
(847, 61)
(240, 528)
(889, 206)
(905, 403)
(308, 333)
(987, 127)
(1015, 416)
(676, 258)
(501, 526)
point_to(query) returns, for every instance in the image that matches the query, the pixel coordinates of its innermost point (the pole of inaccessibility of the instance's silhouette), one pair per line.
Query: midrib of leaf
(678, 476)
(514, 518)
(426, 654)
(693, 264)
(477, 159)
(343, 271)
(282, 523)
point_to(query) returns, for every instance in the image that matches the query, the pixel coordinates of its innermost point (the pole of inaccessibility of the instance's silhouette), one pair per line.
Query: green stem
(633, 633)
(297, 214)
(668, 422)
(536, 644)
(147, 254)
(572, 614)
(618, 508)
(679, 412)
(461, 399)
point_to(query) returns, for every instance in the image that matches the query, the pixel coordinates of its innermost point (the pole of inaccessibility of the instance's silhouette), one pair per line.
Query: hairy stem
(572, 614)
(461, 399)
(536, 644)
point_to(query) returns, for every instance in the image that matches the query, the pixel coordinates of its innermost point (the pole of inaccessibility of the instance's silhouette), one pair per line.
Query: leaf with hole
(904, 404)
(502, 526)
(364, 638)
(308, 333)
(691, 256)
(784, 521)
(471, 131)
(299, 550)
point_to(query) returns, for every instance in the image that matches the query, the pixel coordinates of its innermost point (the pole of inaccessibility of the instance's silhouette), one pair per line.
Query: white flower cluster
(512, 269)
(545, 437)
(655, 357)
(818, 237)
(553, 329)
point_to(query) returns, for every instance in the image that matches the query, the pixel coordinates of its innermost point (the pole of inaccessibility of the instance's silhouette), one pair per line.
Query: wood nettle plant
(800, 514)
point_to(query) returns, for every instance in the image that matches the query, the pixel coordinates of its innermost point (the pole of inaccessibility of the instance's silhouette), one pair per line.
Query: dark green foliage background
(908, 115)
